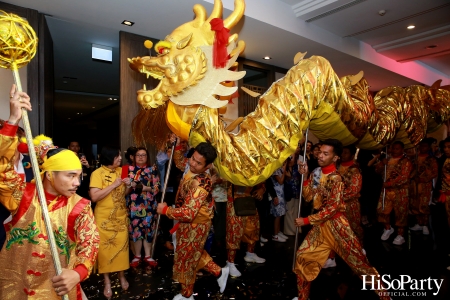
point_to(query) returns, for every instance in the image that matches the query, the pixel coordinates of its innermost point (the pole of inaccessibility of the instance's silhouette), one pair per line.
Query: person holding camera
(141, 203)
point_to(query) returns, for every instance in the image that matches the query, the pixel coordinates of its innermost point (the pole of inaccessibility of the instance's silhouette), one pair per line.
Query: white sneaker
(330, 263)
(222, 280)
(253, 258)
(295, 298)
(263, 239)
(282, 235)
(234, 272)
(425, 230)
(399, 240)
(387, 233)
(416, 227)
(278, 238)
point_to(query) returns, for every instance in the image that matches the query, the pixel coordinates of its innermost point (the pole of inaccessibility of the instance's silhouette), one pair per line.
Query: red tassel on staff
(220, 55)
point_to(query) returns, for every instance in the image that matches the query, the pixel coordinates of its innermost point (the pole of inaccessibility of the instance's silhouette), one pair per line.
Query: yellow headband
(65, 160)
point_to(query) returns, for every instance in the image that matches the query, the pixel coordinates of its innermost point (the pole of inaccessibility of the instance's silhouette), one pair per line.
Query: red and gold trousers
(396, 199)
(332, 235)
(420, 204)
(353, 215)
(190, 256)
(240, 229)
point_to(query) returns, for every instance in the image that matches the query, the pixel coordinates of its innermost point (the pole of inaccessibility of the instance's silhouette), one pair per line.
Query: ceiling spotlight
(78, 113)
(267, 57)
(431, 47)
(93, 106)
(110, 99)
(128, 23)
(411, 27)
(115, 99)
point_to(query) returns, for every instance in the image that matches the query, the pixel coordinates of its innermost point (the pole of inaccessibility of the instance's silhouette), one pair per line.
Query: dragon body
(192, 93)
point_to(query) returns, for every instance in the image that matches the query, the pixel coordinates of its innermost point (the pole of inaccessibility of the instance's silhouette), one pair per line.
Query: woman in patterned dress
(141, 203)
(107, 190)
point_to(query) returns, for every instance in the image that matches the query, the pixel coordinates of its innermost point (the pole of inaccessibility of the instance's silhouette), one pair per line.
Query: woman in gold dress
(107, 189)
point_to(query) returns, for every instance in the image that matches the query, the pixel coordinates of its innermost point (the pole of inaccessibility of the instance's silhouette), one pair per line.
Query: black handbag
(244, 206)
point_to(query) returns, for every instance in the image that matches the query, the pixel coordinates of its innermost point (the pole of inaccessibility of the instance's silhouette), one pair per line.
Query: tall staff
(300, 198)
(166, 179)
(385, 178)
(18, 43)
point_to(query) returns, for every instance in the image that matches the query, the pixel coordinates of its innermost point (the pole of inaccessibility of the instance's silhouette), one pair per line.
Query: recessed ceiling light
(128, 23)
(267, 57)
(115, 99)
(431, 47)
(68, 118)
(78, 113)
(411, 27)
(93, 106)
(110, 99)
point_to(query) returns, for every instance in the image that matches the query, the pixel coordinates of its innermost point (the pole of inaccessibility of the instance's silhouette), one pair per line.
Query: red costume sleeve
(308, 191)
(87, 241)
(353, 184)
(11, 184)
(191, 206)
(403, 177)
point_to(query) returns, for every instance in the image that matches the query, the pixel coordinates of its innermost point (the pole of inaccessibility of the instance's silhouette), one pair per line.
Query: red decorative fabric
(82, 271)
(328, 169)
(8, 129)
(220, 55)
(22, 148)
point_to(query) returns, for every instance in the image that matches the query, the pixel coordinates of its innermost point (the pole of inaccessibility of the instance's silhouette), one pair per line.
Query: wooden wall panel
(131, 45)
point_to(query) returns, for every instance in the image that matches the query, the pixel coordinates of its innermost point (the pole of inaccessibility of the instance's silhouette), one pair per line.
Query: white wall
(6, 80)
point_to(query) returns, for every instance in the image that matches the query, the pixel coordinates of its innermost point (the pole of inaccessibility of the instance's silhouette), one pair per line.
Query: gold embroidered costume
(26, 259)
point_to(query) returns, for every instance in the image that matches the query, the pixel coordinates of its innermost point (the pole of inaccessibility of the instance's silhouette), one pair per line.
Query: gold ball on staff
(18, 41)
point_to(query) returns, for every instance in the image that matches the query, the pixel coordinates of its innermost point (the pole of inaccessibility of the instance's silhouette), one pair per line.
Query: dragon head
(184, 62)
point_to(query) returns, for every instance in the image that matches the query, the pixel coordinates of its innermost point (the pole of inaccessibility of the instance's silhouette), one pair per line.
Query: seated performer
(331, 230)
(194, 216)
(399, 168)
(26, 259)
(242, 228)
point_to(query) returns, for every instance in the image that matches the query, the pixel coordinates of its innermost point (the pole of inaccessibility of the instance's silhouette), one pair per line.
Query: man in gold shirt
(194, 215)
(26, 260)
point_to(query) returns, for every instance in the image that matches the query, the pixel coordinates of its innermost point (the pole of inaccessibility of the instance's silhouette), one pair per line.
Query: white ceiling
(270, 27)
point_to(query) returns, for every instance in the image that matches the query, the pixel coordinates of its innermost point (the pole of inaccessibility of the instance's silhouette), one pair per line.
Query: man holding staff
(331, 230)
(26, 257)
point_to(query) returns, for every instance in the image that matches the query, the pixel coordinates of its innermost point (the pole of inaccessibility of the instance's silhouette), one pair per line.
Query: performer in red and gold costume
(396, 187)
(331, 230)
(242, 228)
(426, 171)
(194, 216)
(352, 178)
(443, 183)
(28, 270)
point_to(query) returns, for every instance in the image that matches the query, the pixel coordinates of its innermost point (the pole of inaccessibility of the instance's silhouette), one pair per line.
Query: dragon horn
(236, 15)
(200, 15)
(217, 11)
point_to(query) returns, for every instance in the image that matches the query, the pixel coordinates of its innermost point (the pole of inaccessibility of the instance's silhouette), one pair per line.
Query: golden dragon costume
(192, 91)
